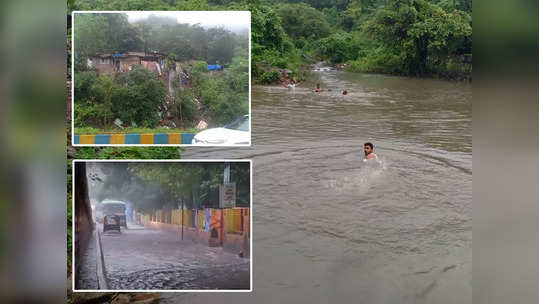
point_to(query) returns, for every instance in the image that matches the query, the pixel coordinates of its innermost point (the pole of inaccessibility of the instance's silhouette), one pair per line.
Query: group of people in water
(368, 147)
(319, 89)
(293, 83)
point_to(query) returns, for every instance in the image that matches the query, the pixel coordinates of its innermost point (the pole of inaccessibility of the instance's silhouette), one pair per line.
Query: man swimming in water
(318, 88)
(369, 148)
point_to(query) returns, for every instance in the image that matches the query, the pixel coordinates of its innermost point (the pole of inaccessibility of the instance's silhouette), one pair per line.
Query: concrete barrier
(101, 271)
(134, 139)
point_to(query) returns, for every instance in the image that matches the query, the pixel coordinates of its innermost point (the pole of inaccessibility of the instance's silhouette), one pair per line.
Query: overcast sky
(227, 19)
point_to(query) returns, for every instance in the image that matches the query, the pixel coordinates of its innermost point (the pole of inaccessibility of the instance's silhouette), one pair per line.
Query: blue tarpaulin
(213, 67)
(207, 219)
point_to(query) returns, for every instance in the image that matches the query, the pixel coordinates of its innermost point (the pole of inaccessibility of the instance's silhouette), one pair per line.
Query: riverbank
(458, 72)
(280, 77)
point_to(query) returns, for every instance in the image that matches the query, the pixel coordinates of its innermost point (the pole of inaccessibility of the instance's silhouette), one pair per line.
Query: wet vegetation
(139, 97)
(406, 37)
(167, 185)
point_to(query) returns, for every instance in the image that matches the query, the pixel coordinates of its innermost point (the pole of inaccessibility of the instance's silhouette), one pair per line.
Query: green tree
(339, 47)
(302, 20)
(105, 87)
(91, 34)
(185, 106)
(179, 178)
(416, 29)
(221, 45)
(137, 96)
(193, 5)
(266, 29)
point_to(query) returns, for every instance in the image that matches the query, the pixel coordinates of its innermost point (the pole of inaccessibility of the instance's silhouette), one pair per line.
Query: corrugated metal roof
(136, 54)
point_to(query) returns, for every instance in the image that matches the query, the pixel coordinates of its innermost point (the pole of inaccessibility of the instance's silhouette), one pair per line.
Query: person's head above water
(318, 86)
(369, 150)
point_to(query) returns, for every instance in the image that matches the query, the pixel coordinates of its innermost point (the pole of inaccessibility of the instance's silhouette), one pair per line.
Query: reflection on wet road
(142, 259)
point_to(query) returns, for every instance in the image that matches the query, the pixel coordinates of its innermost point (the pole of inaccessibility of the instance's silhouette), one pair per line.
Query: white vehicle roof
(112, 202)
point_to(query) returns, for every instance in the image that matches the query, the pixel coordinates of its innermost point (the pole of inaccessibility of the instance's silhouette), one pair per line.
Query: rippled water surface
(329, 227)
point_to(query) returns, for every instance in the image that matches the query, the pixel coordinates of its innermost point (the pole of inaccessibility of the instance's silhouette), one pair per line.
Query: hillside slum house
(113, 63)
(154, 62)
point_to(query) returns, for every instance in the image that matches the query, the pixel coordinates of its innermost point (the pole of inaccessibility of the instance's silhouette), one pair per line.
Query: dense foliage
(107, 33)
(126, 153)
(132, 96)
(227, 94)
(420, 37)
(151, 186)
(406, 37)
(138, 97)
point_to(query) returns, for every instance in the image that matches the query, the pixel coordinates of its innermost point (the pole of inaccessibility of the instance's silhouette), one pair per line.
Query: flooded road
(144, 259)
(331, 228)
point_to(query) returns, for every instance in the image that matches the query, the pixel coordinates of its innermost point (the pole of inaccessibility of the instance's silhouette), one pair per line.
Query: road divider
(135, 139)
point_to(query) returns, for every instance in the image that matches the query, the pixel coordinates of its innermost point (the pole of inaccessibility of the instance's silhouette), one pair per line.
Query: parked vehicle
(234, 133)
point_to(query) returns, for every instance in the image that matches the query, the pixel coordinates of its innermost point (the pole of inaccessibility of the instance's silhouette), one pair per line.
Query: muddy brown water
(330, 228)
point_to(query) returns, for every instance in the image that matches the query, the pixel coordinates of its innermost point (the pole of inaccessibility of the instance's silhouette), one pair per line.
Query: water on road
(328, 227)
(143, 259)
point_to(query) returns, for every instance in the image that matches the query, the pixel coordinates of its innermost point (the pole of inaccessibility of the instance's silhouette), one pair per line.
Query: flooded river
(331, 228)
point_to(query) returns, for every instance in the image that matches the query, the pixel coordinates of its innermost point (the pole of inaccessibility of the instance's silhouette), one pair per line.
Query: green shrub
(81, 63)
(302, 20)
(127, 153)
(228, 107)
(200, 67)
(185, 105)
(339, 47)
(82, 85)
(256, 71)
(137, 95)
(379, 60)
(88, 115)
(269, 77)
(210, 89)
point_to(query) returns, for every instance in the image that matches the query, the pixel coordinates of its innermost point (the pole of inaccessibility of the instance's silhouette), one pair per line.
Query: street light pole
(226, 180)
(182, 218)
(226, 174)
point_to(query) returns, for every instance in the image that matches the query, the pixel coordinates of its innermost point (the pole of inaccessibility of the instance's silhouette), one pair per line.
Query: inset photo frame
(162, 226)
(161, 78)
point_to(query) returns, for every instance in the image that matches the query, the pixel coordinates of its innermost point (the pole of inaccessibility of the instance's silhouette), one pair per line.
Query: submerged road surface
(142, 259)
(329, 228)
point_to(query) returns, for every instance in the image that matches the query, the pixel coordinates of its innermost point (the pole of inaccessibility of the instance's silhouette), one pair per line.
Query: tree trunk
(82, 209)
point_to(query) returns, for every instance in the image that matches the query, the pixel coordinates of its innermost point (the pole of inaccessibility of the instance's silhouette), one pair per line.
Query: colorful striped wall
(227, 228)
(135, 139)
(200, 220)
(234, 218)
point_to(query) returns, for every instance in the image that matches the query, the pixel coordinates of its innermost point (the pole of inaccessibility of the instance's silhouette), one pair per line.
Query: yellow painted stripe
(117, 139)
(146, 139)
(87, 139)
(175, 138)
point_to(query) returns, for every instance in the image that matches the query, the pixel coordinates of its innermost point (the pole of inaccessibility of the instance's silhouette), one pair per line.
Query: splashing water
(360, 180)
